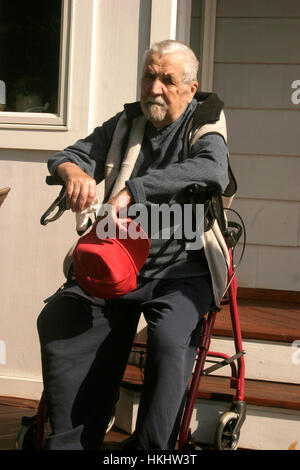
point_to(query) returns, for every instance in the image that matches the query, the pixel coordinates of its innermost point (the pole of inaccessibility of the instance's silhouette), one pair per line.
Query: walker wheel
(26, 438)
(224, 438)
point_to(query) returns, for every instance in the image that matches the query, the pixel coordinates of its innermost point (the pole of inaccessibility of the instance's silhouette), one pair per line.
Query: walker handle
(233, 236)
(54, 180)
(59, 202)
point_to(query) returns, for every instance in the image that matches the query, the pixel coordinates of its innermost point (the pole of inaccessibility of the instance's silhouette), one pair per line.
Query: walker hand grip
(234, 235)
(54, 180)
(59, 202)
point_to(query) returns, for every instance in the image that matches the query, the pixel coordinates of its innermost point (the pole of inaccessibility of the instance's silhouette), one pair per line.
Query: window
(72, 81)
(34, 38)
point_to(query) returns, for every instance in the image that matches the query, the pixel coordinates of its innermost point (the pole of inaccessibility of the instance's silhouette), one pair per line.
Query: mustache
(156, 100)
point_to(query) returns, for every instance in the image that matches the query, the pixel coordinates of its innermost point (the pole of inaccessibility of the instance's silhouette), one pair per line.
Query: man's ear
(193, 88)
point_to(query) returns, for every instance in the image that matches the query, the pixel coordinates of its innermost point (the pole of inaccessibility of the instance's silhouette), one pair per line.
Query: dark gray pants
(85, 346)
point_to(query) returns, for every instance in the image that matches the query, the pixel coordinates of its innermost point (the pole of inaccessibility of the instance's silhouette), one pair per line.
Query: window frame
(59, 118)
(46, 131)
(207, 45)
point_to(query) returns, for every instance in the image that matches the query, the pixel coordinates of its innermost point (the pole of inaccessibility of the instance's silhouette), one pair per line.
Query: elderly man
(86, 340)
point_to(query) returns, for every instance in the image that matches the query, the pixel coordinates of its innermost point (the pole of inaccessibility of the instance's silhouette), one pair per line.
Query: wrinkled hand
(80, 187)
(115, 210)
(120, 202)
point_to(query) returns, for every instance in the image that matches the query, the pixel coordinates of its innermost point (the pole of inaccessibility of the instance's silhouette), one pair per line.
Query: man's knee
(63, 317)
(168, 342)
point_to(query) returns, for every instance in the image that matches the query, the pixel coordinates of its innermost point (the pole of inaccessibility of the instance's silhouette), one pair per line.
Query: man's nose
(156, 88)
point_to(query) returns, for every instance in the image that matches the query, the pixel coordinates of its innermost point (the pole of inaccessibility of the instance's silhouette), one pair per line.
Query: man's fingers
(80, 193)
(85, 198)
(69, 192)
(91, 194)
(80, 187)
(72, 193)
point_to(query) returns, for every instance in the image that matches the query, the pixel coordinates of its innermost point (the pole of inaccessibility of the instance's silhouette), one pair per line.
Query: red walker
(228, 429)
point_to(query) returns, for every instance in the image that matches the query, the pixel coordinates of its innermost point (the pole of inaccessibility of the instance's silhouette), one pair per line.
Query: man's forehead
(169, 63)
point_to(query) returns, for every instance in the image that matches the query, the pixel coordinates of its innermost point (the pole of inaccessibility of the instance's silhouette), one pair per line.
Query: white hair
(169, 46)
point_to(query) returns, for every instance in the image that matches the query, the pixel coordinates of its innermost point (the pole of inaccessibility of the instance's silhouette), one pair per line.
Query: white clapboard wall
(256, 61)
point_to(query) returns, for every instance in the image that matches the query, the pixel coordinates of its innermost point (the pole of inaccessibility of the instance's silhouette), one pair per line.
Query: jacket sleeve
(208, 164)
(89, 153)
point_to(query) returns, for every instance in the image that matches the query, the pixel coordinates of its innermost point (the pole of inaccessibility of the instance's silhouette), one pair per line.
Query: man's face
(163, 95)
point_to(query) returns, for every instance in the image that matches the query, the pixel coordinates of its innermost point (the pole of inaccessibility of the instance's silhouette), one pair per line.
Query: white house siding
(31, 255)
(256, 60)
(31, 266)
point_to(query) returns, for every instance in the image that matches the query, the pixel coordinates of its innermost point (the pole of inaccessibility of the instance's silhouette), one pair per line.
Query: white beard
(155, 109)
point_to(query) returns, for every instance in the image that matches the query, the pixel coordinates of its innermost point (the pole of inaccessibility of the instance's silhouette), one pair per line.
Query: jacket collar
(207, 110)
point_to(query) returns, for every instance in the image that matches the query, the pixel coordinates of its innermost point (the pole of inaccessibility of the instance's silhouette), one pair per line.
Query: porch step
(273, 410)
(270, 333)
(257, 392)
(262, 320)
(269, 317)
(272, 361)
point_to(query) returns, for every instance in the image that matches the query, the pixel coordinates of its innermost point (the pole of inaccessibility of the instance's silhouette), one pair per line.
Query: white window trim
(170, 19)
(163, 20)
(207, 44)
(76, 84)
(183, 27)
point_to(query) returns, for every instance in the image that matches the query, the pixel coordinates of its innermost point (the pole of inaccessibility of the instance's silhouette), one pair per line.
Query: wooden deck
(10, 420)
